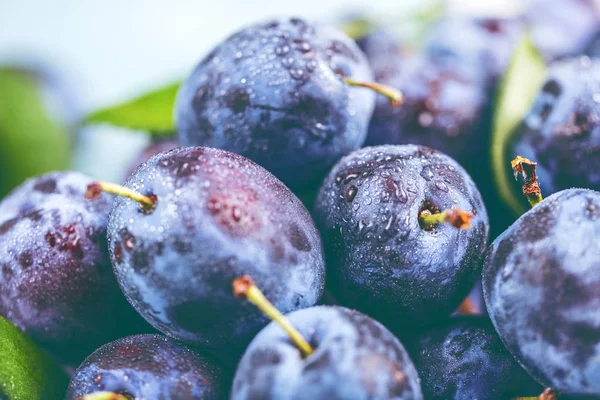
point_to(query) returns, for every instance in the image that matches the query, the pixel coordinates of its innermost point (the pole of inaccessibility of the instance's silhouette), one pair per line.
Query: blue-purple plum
(380, 259)
(275, 92)
(148, 367)
(56, 281)
(541, 282)
(218, 216)
(464, 359)
(355, 357)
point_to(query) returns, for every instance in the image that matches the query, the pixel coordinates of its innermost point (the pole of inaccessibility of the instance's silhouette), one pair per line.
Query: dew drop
(361, 225)
(287, 61)
(427, 173)
(442, 186)
(351, 193)
(297, 74)
(349, 178)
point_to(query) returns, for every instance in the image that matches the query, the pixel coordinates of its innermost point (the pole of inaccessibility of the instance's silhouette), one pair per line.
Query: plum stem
(457, 218)
(396, 97)
(94, 189)
(531, 187)
(548, 394)
(245, 287)
(105, 396)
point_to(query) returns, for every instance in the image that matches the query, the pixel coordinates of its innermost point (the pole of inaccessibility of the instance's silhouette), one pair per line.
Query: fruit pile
(256, 250)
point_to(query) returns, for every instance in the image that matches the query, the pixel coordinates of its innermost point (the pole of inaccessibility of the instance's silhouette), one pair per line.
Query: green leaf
(151, 112)
(26, 373)
(32, 138)
(516, 94)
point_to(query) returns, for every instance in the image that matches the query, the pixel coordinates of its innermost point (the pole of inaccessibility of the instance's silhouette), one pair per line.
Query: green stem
(246, 288)
(457, 218)
(396, 97)
(94, 189)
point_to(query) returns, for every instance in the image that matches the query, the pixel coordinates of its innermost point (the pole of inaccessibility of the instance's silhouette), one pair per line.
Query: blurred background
(91, 54)
(109, 50)
(94, 54)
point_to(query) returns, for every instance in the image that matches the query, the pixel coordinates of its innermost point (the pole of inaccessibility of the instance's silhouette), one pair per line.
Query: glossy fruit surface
(380, 259)
(218, 216)
(275, 93)
(541, 282)
(56, 281)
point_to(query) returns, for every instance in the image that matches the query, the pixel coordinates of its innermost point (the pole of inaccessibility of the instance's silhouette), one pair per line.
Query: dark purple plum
(562, 130)
(380, 259)
(561, 28)
(56, 281)
(354, 357)
(275, 93)
(148, 367)
(217, 216)
(464, 359)
(541, 281)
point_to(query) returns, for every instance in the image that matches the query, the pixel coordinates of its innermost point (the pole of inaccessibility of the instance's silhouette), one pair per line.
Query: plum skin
(354, 357)
(218, 216)
(541, 281)
(148, 367)
(379, 259)
(464, 359)
(274, 92)
(56, 280)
